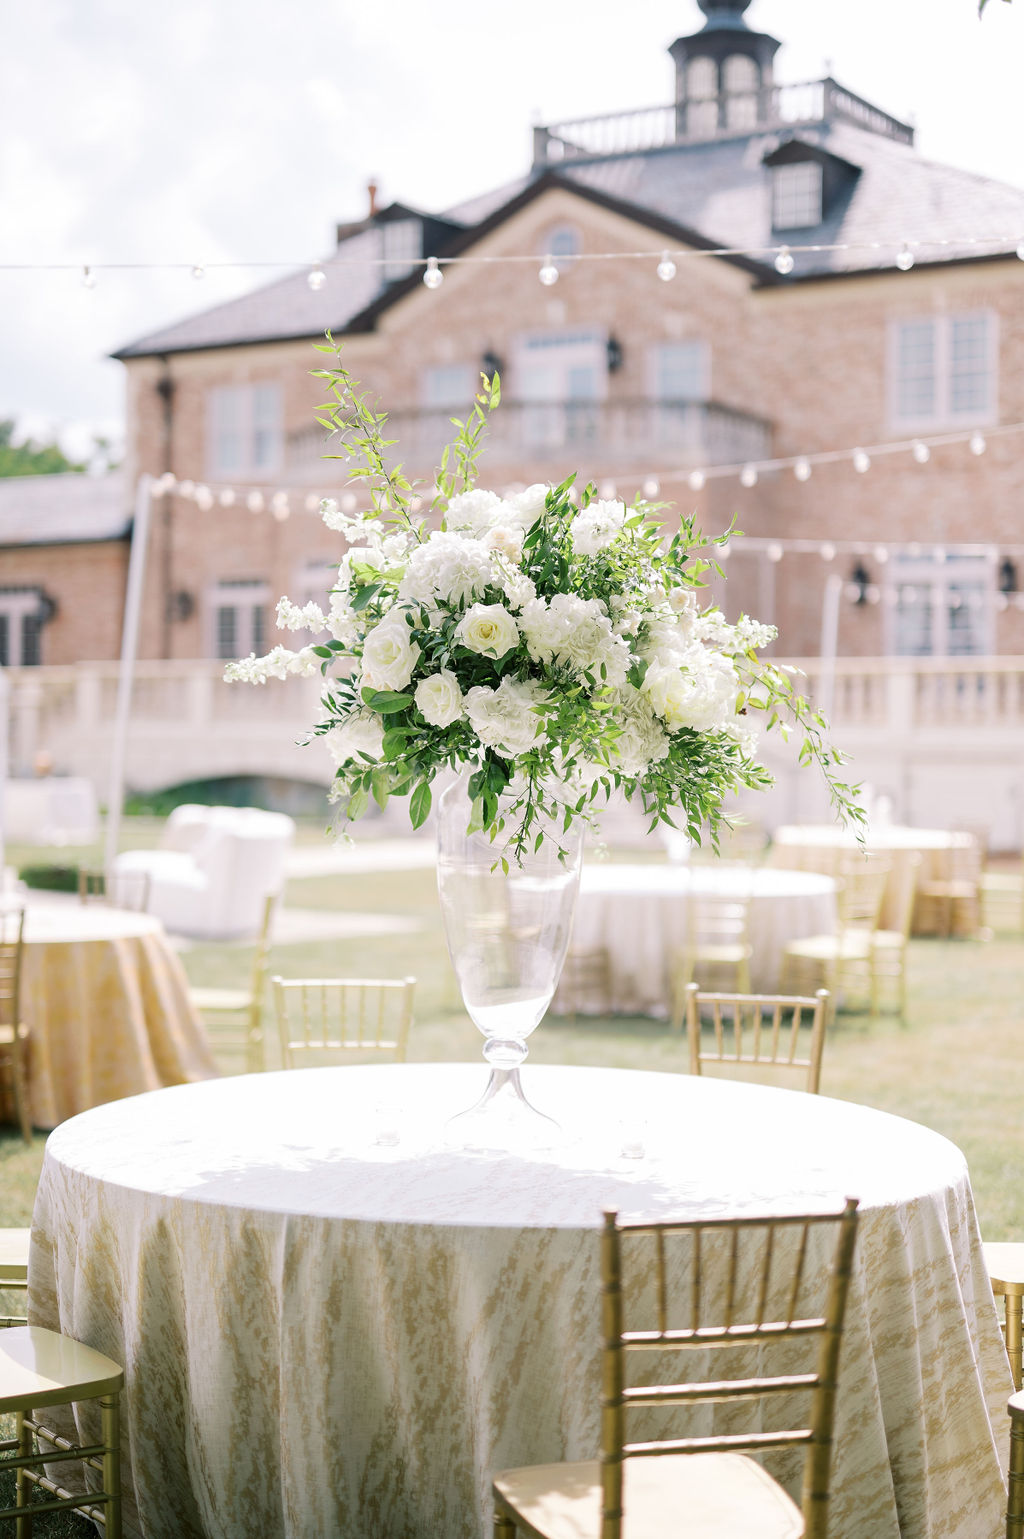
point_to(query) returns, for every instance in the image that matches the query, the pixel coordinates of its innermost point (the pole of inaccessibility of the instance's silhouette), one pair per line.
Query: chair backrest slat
(339, 1019)
(758, 1036)
(12, 926)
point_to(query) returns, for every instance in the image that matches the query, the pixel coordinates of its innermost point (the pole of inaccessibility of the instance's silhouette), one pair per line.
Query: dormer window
(402, 247)
(796, 195)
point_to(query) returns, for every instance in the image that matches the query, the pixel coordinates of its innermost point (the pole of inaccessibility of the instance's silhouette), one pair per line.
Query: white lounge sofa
(214, 869)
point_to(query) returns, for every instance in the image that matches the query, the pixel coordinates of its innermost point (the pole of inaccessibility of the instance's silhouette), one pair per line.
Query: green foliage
(31, 458)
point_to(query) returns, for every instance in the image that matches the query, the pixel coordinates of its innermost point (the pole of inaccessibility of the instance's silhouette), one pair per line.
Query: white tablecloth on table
(324, 1336)
(52, 809)
(636, 915)
(813, 847)
(107, 1006)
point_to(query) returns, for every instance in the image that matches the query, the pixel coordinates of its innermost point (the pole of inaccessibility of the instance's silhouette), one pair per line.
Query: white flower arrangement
(552, 643)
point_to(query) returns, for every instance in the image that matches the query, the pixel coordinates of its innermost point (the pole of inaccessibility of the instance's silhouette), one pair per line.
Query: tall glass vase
(507, 936)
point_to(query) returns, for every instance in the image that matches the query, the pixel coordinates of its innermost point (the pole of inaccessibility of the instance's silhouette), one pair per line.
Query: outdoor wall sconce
(182, 605)
(860, 579)
(614, 354)
(47, 610)
(1007, 576)
(491, 364)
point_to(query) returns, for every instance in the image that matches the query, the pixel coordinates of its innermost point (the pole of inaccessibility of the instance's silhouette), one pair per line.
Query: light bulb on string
(651, 487)
(226, 498)
(921, 452)
(88, 278)
(606, 491)
(1002, 601)
(204, 498)
(433, 277)
(548, 272)
(348, 502)
(904, 258)
(774, 551)
(666, 268)
(881, 554)
(316, 277)
(280, 507)
(748, 475)
(199, 272)
(186, 489)
(861, 460)
(802, 469)
(254, 502)
(977, 443)
(784, 261)
(695, 480)
(312, 502)
(827, 551)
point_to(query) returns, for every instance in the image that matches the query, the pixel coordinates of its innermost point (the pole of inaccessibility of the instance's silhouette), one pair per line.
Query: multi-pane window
(740, 79)
(238, 610)
(702, 97)
(245, 430)
(401, 247)
(943, 370)
(796, 195)
(560, 377)
(20, 627)
(681, 371)
(940, 608)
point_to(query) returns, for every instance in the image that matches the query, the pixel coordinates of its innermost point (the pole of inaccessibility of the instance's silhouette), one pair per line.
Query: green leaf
(419, 804)
(386, 701)
(357, 804)
(364, 596)
(381, 779)
(394, 741)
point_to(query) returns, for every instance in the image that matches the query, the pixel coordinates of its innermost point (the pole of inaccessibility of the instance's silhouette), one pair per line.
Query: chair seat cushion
(14, 1248)
(704, 1496)
(40, 1367)
(1005, 1262)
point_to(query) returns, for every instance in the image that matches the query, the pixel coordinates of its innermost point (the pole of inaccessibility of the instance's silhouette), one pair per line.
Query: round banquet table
(328, 1334)
(813, 847)
(636, 916)
(106, 1001)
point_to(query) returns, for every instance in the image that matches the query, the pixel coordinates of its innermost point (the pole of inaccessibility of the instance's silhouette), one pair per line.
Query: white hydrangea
(668, 644)
(701, 696)
(516, 586)
(596, 526)
(450, 568)
(362, 732)
(576, 633)
(291, 618)
(278, 663)
(530, 503)
(477, 512)
(505, 718)
(642, 741)
(353, 526)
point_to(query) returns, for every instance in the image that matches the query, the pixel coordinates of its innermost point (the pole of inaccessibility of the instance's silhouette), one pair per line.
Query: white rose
(439, 698)
(504, 718)
(363, 732)
(530, 504)
(488, 629)
(389, 654)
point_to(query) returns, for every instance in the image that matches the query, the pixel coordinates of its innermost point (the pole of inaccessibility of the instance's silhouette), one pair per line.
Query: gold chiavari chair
(843, 960)
(14, 1248)
(586, 980)
(889, 947)
(764, 1298)
(950, 903)
(1015, 1501)
(342, 1019)
(1002, 899)
(757, 1037)
(716, 943)
(40, 1369)
(233, 1018)
(1005, 1262)
(118, 889)
(14, 1034)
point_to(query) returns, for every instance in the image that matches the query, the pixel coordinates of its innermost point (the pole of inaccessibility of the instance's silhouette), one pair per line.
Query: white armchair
(215, 868)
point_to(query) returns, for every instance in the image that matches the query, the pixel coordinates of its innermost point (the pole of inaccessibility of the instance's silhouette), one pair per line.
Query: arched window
(702, 98)
(563, 244)
(741, 81)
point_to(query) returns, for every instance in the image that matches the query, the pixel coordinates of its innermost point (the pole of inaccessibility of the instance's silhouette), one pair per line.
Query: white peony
(362, 732)
(488, 629)
(476, 513)
(704, 698)
(642, 741)
(505, 718)
(596, 526)
(439, 698)
(389, 654)
(507, 542)
(530, 504)
(450, 568)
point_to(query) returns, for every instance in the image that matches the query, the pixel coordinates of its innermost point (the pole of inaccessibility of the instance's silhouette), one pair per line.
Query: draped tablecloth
(810, 847)
(636, 917)
(325, 1335)
(106, 1002)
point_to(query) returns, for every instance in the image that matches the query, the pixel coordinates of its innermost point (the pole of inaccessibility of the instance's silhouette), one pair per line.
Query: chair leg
(111, 1432)
(1015, 1501)
(1015, 1336)
(22, 1486)
(504, 1528)
(19, 1080)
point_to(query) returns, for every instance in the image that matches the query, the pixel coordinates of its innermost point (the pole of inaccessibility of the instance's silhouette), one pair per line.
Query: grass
(954, 1065)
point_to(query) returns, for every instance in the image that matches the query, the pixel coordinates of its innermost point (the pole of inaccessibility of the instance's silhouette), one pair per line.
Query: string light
(774, 551)
(88, 278)
(977, 444)
(651, 487)
(921, 453)
(904, 258)
(802, 469)
(784, 262)
(199, 272)
(548, 273)
(254, 502)
(433, 277)
(226, 498)
(861, 461)
(316, 277)
(695, 480)
(748, 475)
(827, 551)
(667, 268)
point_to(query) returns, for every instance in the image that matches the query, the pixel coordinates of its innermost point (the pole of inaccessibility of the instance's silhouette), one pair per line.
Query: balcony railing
(695, 122)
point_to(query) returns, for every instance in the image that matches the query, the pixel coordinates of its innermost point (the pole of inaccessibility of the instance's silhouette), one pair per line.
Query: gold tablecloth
(106, 1002)
(325, 1335)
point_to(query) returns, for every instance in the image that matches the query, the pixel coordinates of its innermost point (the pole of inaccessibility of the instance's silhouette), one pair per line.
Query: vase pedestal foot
(503, 1121)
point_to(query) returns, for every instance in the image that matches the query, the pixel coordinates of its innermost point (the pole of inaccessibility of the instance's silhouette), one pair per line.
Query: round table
(635, 916)
(328, 1334)
(814, 847)
(107, 1005)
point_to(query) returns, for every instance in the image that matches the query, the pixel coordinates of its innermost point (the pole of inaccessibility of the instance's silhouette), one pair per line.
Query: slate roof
(63, 509)
(716, 192)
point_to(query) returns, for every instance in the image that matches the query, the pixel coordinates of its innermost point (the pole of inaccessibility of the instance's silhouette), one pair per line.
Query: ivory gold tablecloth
(106, 1001)
(636, 915)
(329, 1338)
(810, 847)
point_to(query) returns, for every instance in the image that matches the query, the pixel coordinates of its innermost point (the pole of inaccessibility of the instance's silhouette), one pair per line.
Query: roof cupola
(723, 74)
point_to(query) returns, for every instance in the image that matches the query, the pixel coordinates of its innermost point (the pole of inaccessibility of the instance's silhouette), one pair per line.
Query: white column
(829, 644)
(129, 649)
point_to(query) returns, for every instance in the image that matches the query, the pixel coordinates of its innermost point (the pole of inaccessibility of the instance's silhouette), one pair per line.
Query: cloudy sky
(242, 130)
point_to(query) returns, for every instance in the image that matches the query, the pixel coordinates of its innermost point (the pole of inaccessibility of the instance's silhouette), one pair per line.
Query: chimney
(371, 191)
